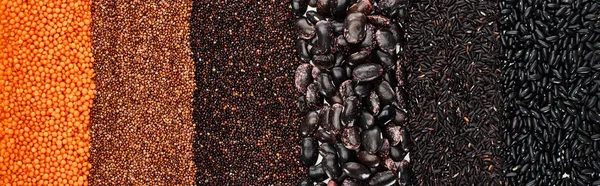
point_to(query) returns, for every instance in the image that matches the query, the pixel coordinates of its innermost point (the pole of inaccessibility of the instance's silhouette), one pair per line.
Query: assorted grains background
(498, 92)
(46, 92)
(142, 116)
(454, 92)
(246, 122)
(551, 91)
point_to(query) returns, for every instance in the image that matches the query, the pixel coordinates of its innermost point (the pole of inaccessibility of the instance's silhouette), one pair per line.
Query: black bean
(357, 58)
(351, 110)
(344, 154)
(355, 27)
(366, 120)
(325, 136)
(310, 124)
(302, 52)
(324, 62)
(363, 89)
(372, 139)
(299, 7)
(407, 142)
(386, 178)
(389, 8)
(302, 104)
(387, 60)
(369, 160)
(367, 72)
(339, 8)
(326, 148)
(357, 171)
(338, 75)
(309, 150)
(316, 173)
(304, 28)
(386, 41)
(405, 173)
(385, 92)
(396, 153)
(324, 32)
(331, 165)
(326, 86)
(385, 116)
(393, 133)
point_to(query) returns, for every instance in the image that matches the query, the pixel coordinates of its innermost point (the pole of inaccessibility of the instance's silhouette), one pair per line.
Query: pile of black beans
(552, 88)
(350, 83)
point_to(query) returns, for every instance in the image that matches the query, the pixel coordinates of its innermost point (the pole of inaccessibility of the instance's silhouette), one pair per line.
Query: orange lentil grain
(46, 91)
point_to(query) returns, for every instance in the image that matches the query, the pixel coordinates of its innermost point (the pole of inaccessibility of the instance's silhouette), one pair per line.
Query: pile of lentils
(552, 70)
(349, 80)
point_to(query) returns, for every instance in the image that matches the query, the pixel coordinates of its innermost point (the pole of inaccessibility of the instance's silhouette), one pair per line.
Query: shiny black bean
(302, 77)
(386, 41)
(372, 139)
(301, 104)
(325, 136)
(304, 28)
(299, 7)
(326, 86)
(405, 173)
(344, 154)
(396, 153)
(407, 143)
(366, 120)
(336, 98)
(341, 45)
(310, 124)
(324, 32)
(400, 118)
(312, 3)
(367, 72)
(369, 160)
(338, 27)
(351, 138)
(385, 116)
(316, 173)
(336, 117)
(339, 75)
(385, 59)
(389, 8)
(363, 89)
(326, 148)
(339, 8)
(309, 150)
(369, 42)
(355, 27)
(302, 52)
(385, 178)
(314, 17)
(357, 171)
(331, 165)
(324, 62)
(351, 110)
(385, 93)
(358, 58)
(362, 6)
